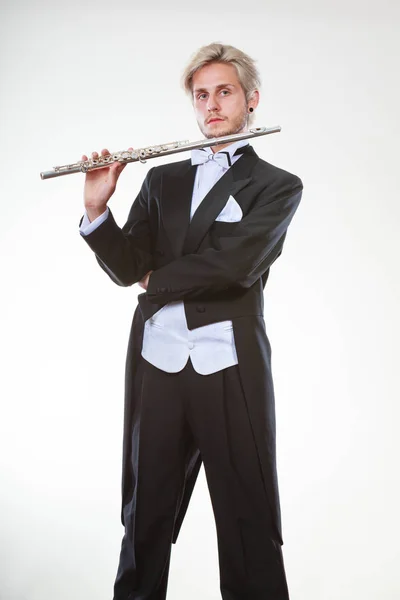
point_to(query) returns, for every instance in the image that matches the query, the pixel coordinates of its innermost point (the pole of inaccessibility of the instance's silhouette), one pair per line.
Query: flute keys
(123, 156)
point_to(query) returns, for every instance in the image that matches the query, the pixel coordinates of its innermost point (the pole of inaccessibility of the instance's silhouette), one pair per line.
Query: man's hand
(144, 282)
(100, 185)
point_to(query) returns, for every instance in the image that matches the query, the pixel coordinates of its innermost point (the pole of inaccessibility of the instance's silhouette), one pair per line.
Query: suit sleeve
(125, 254)
(245, 254)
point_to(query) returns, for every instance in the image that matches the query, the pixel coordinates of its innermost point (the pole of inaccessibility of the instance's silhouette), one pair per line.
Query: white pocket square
(231, 211)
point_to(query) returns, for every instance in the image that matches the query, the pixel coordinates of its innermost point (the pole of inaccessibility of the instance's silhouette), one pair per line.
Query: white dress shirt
(167, 341)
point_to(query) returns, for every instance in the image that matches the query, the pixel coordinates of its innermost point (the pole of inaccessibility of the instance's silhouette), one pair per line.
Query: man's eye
(223, 91)
(201, 96)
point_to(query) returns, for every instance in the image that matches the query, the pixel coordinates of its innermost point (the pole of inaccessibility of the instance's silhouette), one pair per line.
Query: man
(200, 238)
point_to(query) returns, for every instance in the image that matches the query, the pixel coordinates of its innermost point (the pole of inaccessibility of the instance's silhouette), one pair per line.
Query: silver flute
(142, 154)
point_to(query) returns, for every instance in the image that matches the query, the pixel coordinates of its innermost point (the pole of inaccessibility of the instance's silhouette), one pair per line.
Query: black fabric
(179, 412)
(244, 150)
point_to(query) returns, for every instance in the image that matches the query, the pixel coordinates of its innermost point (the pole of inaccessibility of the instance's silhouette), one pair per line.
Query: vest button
(200, 309)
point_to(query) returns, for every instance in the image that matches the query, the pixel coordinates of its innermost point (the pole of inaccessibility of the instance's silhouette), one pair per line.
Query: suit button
(160, 252)
(200, 309)
(161, 290)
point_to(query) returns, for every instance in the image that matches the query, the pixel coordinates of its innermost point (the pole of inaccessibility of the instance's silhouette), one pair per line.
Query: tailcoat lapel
(176, 194)
(185, 236)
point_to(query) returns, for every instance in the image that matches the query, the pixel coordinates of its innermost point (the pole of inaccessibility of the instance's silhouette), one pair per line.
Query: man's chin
(218, 130)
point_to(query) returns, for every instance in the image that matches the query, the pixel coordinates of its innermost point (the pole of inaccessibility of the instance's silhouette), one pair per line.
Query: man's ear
(254, 99)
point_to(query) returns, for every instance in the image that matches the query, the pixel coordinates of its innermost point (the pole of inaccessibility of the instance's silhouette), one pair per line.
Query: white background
(76, 77)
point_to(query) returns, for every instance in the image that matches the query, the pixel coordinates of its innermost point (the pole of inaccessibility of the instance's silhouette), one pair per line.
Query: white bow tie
(200, 157)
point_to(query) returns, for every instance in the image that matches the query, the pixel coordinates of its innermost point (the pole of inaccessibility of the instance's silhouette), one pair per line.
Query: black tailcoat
(219, 270)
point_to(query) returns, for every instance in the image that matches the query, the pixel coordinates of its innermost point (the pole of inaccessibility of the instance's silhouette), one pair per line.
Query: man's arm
(245, 254)
(125, 254)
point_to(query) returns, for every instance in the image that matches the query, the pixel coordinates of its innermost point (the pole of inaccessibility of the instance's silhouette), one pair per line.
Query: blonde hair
(247, 72)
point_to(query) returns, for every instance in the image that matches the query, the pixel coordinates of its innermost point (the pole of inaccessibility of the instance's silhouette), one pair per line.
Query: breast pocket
(222, 228)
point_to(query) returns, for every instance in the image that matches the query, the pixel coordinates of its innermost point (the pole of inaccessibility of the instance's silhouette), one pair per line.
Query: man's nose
(212, 104)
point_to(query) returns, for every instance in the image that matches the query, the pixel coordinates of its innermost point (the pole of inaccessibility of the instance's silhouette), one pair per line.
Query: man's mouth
(213, 120)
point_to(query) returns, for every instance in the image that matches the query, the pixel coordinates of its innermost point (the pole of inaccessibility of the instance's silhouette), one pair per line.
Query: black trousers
(179, 410)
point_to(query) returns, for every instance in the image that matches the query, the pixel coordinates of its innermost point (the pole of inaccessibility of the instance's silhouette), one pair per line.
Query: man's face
(219, 100)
